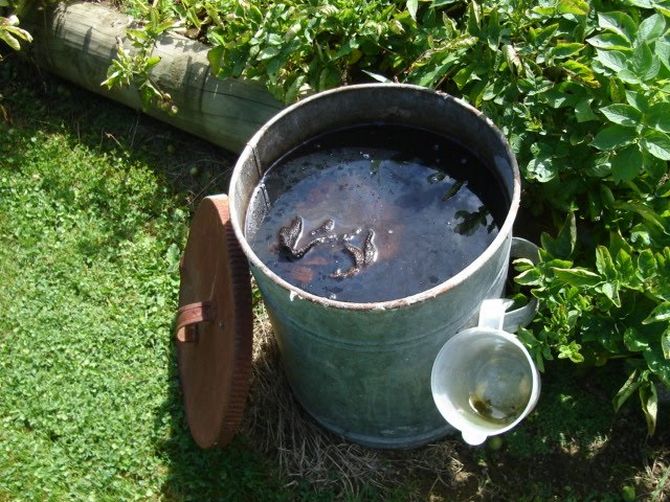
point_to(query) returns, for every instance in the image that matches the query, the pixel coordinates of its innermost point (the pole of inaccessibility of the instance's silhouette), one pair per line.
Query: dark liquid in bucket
(374, 213)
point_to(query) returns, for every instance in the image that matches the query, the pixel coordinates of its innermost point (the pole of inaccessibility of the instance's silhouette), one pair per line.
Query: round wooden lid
(214, 326)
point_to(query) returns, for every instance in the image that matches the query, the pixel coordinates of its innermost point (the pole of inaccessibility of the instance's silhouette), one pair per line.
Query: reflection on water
(470, 221)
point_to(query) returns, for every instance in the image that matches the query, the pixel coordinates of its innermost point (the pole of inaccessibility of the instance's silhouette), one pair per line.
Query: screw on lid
(214, 326)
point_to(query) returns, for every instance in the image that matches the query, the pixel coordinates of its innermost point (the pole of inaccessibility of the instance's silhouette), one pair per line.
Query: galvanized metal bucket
(363, 370)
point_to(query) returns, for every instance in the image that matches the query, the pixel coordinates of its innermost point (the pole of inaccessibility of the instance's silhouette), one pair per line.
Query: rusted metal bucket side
(363, 369)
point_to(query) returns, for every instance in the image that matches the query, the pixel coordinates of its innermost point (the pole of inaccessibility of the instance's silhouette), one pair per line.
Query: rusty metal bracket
(188, 318)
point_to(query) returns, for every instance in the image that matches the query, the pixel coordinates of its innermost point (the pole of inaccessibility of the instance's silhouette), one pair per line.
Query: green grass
(91, 230)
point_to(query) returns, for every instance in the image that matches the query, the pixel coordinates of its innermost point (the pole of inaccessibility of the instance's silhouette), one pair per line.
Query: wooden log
(78, 41)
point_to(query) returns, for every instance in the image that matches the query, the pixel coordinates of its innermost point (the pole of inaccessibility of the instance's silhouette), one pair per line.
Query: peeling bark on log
(78, 41)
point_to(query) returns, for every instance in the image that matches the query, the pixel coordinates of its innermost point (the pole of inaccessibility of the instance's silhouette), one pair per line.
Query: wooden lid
(214, 326)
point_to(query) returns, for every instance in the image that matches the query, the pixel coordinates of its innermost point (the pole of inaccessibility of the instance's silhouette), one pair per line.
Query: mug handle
(518, 318)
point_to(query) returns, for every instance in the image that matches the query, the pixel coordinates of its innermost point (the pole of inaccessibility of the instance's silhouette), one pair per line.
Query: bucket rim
(504, 234)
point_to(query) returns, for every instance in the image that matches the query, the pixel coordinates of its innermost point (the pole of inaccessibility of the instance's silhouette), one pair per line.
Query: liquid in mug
(501, 387)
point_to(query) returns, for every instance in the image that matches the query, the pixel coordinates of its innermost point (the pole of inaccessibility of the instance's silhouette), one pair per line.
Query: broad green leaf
(274, 39)
(215, 56)
(645, 4)
(268, 53)
(412, 7)
(614, 60)
(662, 51)
(658, 364)
(542, 170)
(657, 144)
(255, 13)
(523, 264)
(649, 401)
(637, 100)
(658, 117)
(555, 262)
(137, 35)
(153, 61)
(443, 3)
(582, 72)
(619, 23)
(646, 263)
(624, 262)
(542, 35)
(630, 77)
(651, 28)
(577, 277)
(604, 263)
(571, 351)
(665, 343)
(583, 112)
(611, 291)
(644, 63)
(612, 137)
(655, 167)
(293, 91)
(474, 15)
(576, 7)
(530, 277)
(513, 60)
(607, 194)
(609, 41)
(622, 114)
(626, 164)
(564, 244)
(19, 32)
(565, 50)
(464, 76)
(634, 340)
(600, 168)
(10, 40)
(661, 313)
(616, 90)
(649, 215)
(328, 78)
(626, 390)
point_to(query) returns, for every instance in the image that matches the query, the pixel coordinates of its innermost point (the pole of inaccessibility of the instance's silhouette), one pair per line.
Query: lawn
(95, 203)
(94, 210)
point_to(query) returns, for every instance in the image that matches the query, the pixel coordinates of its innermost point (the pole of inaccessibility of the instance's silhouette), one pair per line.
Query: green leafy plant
(297, 47)
(583, 96)
(615, 308)
(133, 65)
(10, 32)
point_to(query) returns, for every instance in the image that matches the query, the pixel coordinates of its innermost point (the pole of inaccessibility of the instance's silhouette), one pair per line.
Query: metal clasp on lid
(189, 316)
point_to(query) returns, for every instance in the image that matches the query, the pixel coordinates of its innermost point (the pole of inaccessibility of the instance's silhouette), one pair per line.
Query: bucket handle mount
(188, 318)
